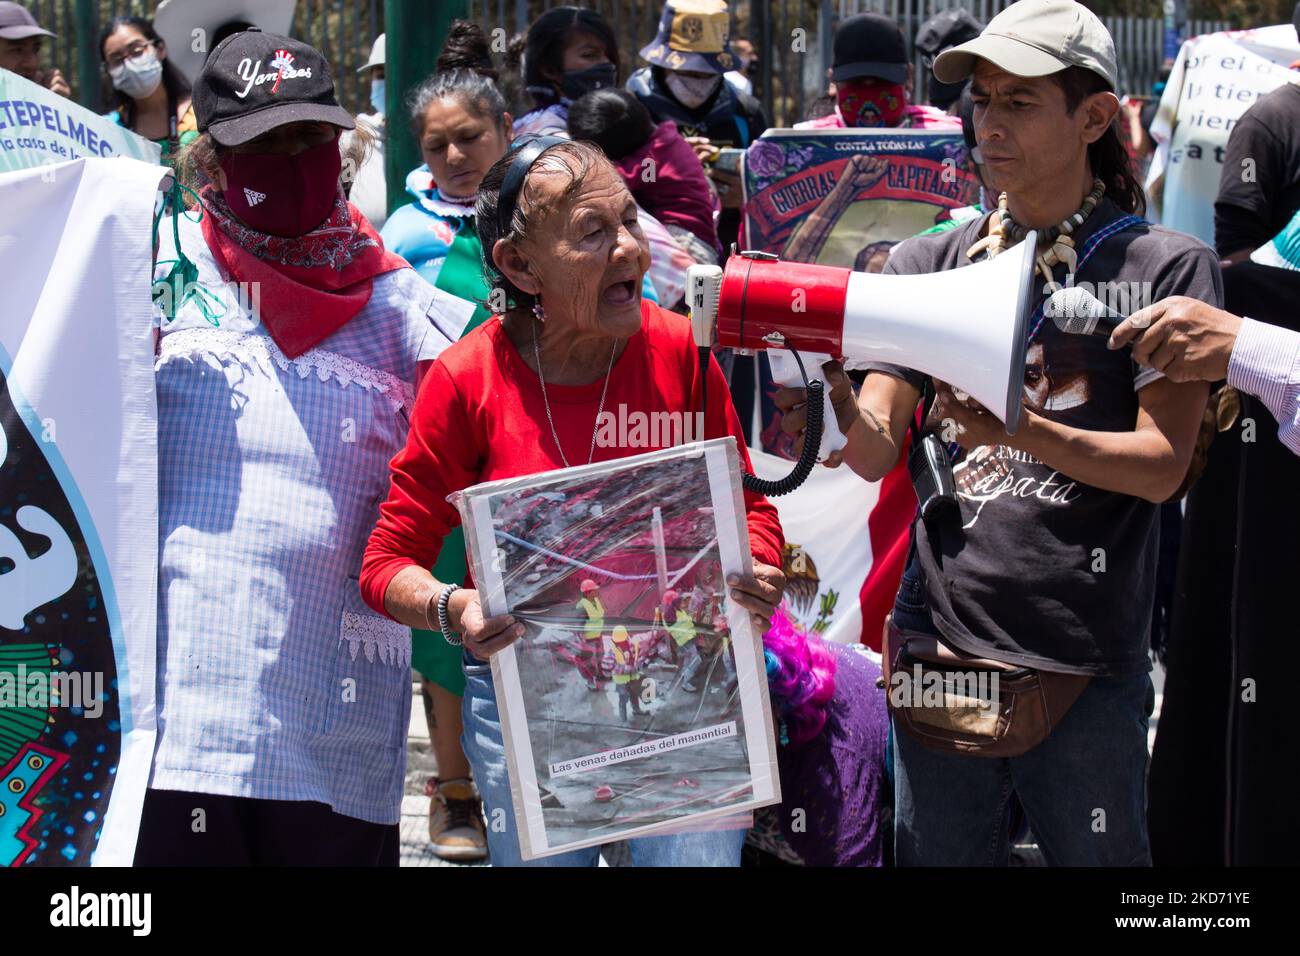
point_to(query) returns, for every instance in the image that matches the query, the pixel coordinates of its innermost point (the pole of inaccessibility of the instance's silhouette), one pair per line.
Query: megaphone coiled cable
(812, 438)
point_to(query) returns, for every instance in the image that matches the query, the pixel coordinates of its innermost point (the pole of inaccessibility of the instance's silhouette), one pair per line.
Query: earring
(538, 311)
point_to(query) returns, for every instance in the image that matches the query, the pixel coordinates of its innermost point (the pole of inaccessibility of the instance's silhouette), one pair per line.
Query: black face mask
(577, 83)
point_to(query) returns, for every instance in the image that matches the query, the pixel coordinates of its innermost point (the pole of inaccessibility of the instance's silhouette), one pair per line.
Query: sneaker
(456, 827)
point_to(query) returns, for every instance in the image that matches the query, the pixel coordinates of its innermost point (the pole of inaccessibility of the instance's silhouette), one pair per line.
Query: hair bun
(467, 48)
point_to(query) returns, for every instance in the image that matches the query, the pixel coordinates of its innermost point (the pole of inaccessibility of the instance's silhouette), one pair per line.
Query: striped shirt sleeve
(1265, 362)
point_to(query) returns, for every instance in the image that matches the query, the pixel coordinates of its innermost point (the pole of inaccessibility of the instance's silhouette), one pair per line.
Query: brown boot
(456, 827)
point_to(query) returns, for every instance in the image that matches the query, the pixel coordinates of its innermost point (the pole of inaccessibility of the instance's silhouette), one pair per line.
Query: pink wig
(800, 676)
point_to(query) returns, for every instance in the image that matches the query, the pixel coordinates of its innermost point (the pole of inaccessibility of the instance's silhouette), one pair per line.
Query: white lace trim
(260, 351)
(447, 208)
(378, 635)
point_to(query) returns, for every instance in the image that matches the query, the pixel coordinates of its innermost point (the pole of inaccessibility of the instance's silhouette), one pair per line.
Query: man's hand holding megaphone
(957, 417)
(794, 413)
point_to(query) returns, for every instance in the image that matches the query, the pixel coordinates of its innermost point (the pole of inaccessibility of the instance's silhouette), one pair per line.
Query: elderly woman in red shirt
(522, 394)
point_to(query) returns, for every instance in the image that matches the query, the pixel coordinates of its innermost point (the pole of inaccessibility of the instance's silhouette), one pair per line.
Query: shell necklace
(1061, 252)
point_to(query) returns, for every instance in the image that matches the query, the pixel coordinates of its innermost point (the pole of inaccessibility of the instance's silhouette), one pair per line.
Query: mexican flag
(845, 543)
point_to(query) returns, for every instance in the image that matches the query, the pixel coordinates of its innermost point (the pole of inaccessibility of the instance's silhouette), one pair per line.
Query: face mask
(377, 93)
(692, 91)
(282, 194)
(870, 102)
(138, 77)
(577, 83)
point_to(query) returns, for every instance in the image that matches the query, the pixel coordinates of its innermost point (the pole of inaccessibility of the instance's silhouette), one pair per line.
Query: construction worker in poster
(682, 631)
(589, 657)
(627, 673)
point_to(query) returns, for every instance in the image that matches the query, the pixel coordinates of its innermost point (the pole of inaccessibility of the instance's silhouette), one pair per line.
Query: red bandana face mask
(870, 102)
(282, 194)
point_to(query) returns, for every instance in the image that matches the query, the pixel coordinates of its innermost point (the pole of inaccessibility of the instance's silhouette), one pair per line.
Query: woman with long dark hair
(152, 96)
(569, 53)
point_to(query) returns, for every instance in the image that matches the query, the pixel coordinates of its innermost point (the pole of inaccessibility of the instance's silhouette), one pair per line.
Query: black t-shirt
(1259, 187)
(1018, 574)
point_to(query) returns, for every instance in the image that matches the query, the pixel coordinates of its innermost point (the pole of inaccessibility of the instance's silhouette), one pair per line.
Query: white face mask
(692, 91)
(138, 77)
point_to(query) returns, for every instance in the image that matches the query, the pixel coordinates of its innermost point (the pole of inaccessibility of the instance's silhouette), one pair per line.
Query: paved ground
(420, 766)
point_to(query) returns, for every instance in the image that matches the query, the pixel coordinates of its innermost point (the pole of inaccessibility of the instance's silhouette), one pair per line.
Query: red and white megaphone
(966, 327)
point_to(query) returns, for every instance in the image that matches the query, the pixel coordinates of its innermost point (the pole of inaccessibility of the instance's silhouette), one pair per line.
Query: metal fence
(792, 38)
(1139, 41)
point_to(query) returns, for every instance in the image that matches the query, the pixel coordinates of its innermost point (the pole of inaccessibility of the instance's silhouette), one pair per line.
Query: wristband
(444, 624)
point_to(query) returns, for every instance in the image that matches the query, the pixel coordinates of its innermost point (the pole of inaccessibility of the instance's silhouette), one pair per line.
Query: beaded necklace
(1061, 251)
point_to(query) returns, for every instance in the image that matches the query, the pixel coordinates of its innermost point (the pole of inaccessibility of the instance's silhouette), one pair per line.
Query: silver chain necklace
(537, 354)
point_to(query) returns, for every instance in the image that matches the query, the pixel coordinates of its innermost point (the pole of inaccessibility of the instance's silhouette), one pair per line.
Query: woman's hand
(758, 593)
(483, 637)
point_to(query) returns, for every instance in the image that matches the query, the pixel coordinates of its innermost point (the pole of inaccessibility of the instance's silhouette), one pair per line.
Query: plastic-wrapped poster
(636, 702)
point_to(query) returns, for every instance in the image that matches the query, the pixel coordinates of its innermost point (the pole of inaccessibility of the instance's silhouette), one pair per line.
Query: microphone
(1076, 311)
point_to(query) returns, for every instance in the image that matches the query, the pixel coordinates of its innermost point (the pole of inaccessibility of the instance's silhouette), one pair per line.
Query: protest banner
(39, 128)
(1215, 79)
(844, 197)
(627, 708)
(78, 510)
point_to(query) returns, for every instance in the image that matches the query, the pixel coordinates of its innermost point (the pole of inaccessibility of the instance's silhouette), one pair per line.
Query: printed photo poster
(78, 510)
(636, 703)
(40, 128)
(845, 197)
(1215, 79)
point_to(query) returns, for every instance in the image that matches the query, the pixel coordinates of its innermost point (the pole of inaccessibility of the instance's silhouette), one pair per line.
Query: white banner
(1215, 79)
(78, 510)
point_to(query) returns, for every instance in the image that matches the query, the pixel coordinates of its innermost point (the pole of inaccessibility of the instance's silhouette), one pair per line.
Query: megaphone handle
(785, 371)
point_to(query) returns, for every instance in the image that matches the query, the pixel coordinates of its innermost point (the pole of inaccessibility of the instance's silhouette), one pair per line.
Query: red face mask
(282, 194)
(871, 102)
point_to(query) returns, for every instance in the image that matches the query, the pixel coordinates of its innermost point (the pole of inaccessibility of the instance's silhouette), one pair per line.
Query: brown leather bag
(955, 703)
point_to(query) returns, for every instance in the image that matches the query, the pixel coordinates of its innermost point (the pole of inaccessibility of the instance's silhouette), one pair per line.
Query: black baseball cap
(945, 29)
(253, 82)
(869, 45)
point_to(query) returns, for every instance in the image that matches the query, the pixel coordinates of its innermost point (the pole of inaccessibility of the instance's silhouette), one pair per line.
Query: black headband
(524, 156)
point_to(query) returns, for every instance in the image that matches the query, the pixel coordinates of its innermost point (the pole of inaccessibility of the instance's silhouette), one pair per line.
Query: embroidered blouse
(275, 680)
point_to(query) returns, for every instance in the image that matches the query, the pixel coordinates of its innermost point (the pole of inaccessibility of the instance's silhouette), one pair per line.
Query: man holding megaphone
(1036, 561)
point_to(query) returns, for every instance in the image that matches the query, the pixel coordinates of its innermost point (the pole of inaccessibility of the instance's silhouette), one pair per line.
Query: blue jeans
(483, 745)
(1083, 789)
